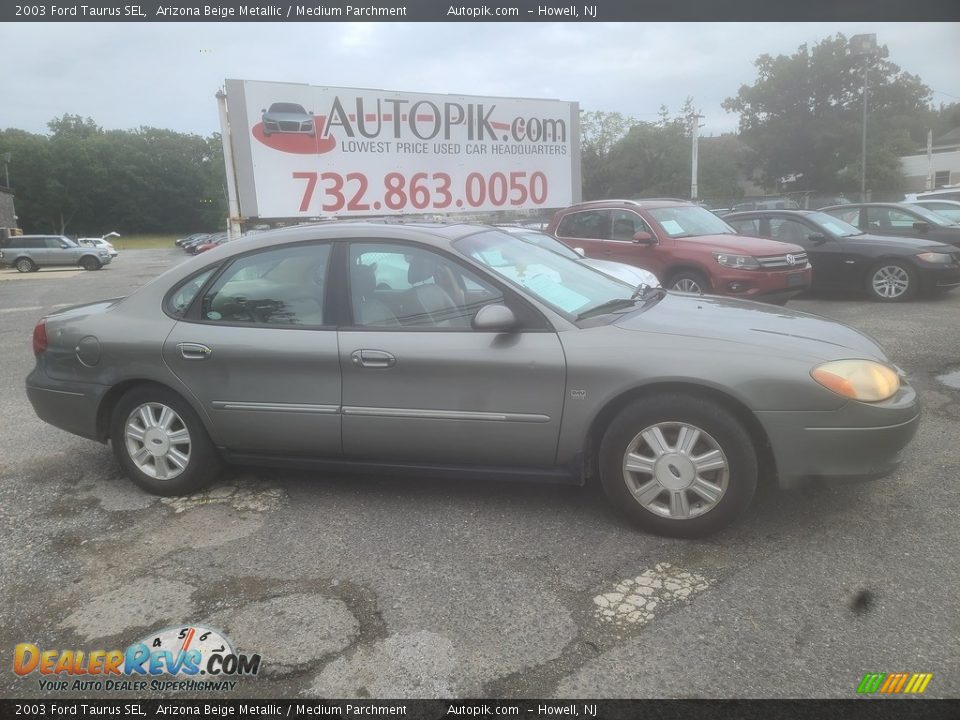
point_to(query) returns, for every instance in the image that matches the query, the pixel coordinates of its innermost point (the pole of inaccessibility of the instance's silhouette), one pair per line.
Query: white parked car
(101, 243)
(949, 209)
(630, 274)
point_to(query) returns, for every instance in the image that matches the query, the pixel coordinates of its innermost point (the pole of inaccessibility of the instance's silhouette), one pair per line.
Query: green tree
(802, 116)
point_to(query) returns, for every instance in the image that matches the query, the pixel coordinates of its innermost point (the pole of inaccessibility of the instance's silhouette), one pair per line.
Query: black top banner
(494, 11)
(913, 709)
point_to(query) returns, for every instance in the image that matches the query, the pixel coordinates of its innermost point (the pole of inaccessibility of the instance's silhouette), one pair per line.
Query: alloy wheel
(676, 470)
(890, 281)
(157, 441)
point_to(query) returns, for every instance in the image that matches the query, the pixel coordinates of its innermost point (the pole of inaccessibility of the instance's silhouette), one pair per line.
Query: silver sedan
(464, 351)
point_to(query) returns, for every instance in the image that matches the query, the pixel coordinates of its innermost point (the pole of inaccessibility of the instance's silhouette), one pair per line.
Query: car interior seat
(426, 294)
(367, 309)
(623, 229)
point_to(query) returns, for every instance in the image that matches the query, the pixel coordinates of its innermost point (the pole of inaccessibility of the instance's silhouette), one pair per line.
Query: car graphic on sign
(285, 117)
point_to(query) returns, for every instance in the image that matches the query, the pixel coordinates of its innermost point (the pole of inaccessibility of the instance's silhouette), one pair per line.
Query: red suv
(686, 246)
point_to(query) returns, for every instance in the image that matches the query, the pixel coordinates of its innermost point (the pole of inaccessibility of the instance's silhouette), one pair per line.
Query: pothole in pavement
(635, 601)
(244, 493)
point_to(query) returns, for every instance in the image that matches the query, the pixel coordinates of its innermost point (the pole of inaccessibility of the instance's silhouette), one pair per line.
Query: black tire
(895, 272)
(688, 277)
(25, 265)
(718, 427)
(203, 465)
(90, 263)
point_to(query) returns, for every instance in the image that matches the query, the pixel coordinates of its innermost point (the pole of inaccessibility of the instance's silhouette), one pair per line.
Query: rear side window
(179, 302)
(279, 287)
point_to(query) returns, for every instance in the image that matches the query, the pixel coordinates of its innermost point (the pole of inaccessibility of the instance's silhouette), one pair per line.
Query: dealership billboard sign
(307, 151)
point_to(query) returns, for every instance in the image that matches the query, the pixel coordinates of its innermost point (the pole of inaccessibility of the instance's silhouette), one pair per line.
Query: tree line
(800, 130)
(83, 180)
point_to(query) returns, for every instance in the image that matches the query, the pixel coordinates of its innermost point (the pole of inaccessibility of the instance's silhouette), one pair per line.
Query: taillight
(40, 337)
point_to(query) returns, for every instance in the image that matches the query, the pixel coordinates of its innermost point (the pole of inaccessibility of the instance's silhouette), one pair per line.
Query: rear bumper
(69, 406)
(858, 441)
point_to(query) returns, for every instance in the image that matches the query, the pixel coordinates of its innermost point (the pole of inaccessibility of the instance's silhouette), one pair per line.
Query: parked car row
(771, 254)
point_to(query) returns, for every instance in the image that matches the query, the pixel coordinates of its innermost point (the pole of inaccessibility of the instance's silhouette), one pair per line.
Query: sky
(166, 74)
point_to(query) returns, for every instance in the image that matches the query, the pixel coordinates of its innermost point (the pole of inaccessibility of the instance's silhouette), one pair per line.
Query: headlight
(935, 257)
(738, 262)
(863, 380)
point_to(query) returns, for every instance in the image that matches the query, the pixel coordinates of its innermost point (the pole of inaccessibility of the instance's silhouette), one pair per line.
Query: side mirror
(644, 238)
(63, 246)
(580, 251)
(494, 318)
(921, 227)
(817, 238)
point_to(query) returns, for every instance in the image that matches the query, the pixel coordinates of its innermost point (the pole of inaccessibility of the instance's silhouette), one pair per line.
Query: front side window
(587, 225)
(626, 224)
(401, 286)
(789, 231)
(279, 287)
(746, 227)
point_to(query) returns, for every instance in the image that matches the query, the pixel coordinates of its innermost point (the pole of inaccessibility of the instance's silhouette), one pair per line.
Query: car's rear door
(587, 230)
(420, 385)
(256, 350)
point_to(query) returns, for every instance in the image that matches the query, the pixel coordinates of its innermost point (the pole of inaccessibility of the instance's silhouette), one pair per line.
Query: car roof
(769, 211)
(628, 204)
(851, 206)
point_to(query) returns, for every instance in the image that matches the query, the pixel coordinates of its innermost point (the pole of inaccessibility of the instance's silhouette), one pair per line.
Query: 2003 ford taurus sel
(466, 351)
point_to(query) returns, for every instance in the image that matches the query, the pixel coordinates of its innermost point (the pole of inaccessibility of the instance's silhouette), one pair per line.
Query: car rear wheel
(678, 465)
(25, 265)
(90, 263)
(892, 281)
(161, 443)
(689, 281)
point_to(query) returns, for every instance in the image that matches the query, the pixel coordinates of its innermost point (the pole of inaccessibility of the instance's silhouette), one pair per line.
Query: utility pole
(864, 46)
(695, 126)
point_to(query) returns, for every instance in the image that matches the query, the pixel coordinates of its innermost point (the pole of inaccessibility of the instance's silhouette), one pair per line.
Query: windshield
(834, 226)
(690, 221)
(286, 108)
(930, 216)
(557, 280)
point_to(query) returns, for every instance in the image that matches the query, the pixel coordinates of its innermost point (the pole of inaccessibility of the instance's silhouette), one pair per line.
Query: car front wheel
(891, 281)
(689, 281)
(678, 465)
(161, 443)
(90, 263)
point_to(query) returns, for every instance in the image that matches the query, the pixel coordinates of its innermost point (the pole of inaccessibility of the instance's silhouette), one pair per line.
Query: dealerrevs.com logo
(198, 658)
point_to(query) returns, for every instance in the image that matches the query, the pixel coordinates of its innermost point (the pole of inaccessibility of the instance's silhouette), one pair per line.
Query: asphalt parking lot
(381, 587)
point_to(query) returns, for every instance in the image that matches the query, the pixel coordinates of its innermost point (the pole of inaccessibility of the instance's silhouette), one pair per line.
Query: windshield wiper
(643, 290)
(608, 306)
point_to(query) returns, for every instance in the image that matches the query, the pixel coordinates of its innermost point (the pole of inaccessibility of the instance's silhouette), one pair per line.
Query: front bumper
(775, 286)
(859, 440)
(69, 406)
(940, 278)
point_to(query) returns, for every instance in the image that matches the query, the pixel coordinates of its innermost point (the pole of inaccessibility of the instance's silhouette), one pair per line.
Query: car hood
(287, 116)
(621, 271)
(743, 244)
(765, 326)
(893, 241)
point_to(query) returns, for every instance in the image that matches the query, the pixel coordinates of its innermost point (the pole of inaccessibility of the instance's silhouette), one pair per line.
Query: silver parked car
(28, 253)
(465, 351)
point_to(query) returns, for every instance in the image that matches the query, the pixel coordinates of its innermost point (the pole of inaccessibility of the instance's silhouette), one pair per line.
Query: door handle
(194, 351)
(373, 359)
